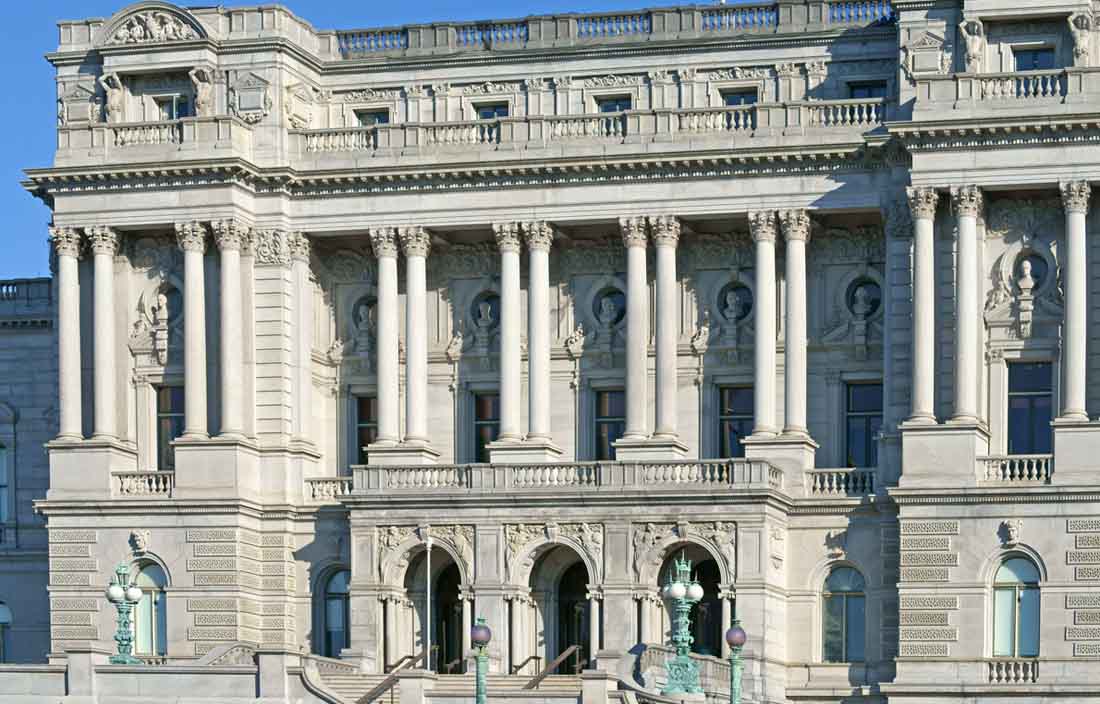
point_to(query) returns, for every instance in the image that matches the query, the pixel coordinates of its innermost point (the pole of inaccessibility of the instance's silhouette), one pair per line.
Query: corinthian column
(539, 237)
(922, 206)
(967, 203)
(762, 224)
(229, 236)
(796, 230)
(103, 242)
(416, 243)
(384, 243)
(666, 235)
(66, 245)
(507, 237)
(192, 240)
(1075, 200)
(637, 326)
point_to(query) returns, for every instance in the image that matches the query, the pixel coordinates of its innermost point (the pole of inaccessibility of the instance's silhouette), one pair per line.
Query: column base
(942, 455)
(1075, 446)
(392, 454)
(531, 451)
(649, 449)
(793, 453)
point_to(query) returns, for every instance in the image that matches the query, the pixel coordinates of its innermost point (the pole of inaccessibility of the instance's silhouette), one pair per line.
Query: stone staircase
(350, 687)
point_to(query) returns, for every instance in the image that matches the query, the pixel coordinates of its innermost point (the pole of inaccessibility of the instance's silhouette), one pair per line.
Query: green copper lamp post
(480, 635)
(735, 639)
(124, 594)
(682, 592)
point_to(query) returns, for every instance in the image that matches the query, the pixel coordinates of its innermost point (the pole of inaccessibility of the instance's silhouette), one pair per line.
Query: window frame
(176, 99)
(477, 423)
(826, 594)
(1018, 588)
(158, 598)
(358, 424)
(849, 414)
(854, 86)
(1016, 49)
(1010, 395)
(160, 451)
(495, 105)
(599, 100)
(721, 418)
(597, 420)
(358, 114)
(345, 602)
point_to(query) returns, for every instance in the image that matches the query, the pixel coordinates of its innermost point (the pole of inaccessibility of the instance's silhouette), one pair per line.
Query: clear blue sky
(28, 102)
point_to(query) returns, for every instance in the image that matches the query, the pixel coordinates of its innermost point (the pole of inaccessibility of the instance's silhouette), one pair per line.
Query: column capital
(966, 201)
(230, 234)
(633, 230)
(102, 239)
(665, 229)
(922, 202)
(191, 236)
(383, 240)
(795, 224)
(299, 246)
(65, 241)
(415, 241)
(762, 225)
(539, 234)
(507, 236)
(1075, 196)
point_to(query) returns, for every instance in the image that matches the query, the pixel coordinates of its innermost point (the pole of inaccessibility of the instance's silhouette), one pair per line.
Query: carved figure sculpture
(1080, 29)
(112, 86)
(732, 311)
(203, 83)
(973, 34)
(609, 310)
(861, 304)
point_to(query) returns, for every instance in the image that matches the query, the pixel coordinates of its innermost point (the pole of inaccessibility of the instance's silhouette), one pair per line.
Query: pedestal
(534, 451)
(82, 470)
(650, 449)
(942, 455)
(1076, 452)
(386, 454)
(793, 453)
(217, 468)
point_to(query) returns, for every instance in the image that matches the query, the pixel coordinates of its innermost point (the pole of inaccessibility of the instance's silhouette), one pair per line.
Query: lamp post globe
(123, 594)
(736, 639)
(676, 590)
(736, 636)
(115, 593)
(480, 635)
(695, 592)
(133, 594)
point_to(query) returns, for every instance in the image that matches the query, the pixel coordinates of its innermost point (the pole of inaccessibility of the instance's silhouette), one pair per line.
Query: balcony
(1046, 93)
(1017, 469)
(840, 482)
(143, 485)
(189, 138)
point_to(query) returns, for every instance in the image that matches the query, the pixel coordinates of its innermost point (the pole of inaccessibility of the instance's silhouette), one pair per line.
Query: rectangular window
(865, 91)
(863, 416)
(492, 112)
(613, 104)
(735, 415)
(366, 425)
(370, 118)
(610, 421)
(1030, 407)
(169, 424)
(5, 484)
(172, 107)
(739, 97)
(486, 423)
(1033, 59)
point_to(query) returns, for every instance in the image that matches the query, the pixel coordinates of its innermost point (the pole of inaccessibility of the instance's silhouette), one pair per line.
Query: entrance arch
(449, 612)
(566, 611)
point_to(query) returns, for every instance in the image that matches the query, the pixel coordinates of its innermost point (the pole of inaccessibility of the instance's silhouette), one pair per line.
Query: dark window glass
(1030, 408)
(613, 104)
(610, 421)
(337, 612)
(864, 421)
(486, 423)
(858, 91)
(366, 424)
(1033, 59)
(741, 97)
(370, 118)
(491, 112)
(844, 620)
(735, 414)
(169, 424)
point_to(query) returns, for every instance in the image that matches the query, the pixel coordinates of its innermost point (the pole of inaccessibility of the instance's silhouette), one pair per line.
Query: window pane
(486, 434)
(855, 622)
(864, 398)
(487, 407)
(1029, 376)
(844, 579)
(731, 432)
(143, 625)
(1041, 432)
(607, 432)
(833, 620)
(736, 400)
(489, 112)
(160, 608)
(1034, 59)
(1004, 618)
(857, 441)
(1018, 570)
(1029, 623)
(740, 98)
(611, 404)
(367, 409)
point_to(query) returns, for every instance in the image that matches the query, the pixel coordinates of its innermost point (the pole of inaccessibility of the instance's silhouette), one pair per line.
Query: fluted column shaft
(666, 236)
(637, 326)
(416, 243)
(967, 202)
(66, 244)
(539, 238)
(1075, 200)
(507, 237)
(763, 227)
(922, 206)
(796, 230)
(299, 247)
(103, 242)
(192, 240)
(384, 243)
(229, 236)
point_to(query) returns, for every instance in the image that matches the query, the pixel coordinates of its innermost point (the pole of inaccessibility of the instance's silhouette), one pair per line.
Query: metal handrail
(450, 667)
(391, 679)
(537, 679)
(516, 668)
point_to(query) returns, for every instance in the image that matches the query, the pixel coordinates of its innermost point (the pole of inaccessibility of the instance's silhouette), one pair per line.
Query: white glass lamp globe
(133, 594)
(695, 592)
(677, 590)
(115, 592)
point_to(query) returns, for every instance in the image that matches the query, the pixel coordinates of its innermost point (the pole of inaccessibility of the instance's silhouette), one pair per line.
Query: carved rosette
(229, 234)
(762, 225)
(102, 240)
(1075, 196)
(633, 230)
(299, 246)
(415, 241)
(665, 229)
(507, 236)
(65, 241)
(966, 201)
(539, 234)
(795, 224)
(191, 236)
(383, 241)
(922, 202)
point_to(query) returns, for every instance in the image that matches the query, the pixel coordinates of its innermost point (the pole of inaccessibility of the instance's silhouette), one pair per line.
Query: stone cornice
(1000, 494)
(996, 131)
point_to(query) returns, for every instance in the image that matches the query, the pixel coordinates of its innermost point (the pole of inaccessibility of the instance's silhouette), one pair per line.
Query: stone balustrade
(143, 484)
(153, 141)
(1018, 469)
(1056, 91)
(327, 489)
(1013, 671)
(840, 482)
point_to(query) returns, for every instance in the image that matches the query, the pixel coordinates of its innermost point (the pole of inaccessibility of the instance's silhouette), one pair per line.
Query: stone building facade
(360, 335)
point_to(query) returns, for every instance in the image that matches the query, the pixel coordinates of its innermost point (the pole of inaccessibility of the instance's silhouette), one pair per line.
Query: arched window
(337, 634)
(844, 616)
(5, 627)
(1016, 609)
(151, 614)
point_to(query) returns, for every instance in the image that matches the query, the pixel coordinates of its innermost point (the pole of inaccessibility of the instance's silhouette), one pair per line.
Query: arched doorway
(448, 620)
(563, 612)
(446, 612)
(707, 629)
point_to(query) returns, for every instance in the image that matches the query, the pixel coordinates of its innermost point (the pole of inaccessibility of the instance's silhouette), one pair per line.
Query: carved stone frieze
(612, 81)
(271, 247)
(738, 73)
(153, 26)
